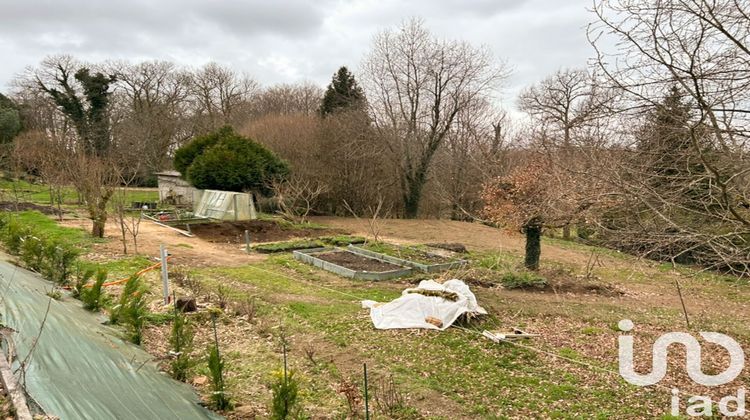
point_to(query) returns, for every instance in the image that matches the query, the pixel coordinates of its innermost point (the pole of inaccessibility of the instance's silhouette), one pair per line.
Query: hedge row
(51, 258)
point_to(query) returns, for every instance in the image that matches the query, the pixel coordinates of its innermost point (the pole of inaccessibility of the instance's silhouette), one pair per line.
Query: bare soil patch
(11, 206)
(357, 262)
(260, 231)
(192, 252)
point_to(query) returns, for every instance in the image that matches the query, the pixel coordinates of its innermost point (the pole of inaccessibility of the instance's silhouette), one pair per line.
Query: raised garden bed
(351, 264)
(295, 244)
(419, 259)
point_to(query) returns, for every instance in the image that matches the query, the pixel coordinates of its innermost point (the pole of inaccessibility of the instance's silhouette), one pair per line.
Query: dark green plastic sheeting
(81, 369)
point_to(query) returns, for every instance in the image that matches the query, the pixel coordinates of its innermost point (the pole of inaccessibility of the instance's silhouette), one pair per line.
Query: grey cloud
(282, 41)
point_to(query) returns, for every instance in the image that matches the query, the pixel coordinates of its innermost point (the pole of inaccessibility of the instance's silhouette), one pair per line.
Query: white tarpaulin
(413, 309)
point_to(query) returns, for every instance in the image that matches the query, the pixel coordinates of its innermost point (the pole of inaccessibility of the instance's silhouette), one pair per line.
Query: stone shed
(173, 189)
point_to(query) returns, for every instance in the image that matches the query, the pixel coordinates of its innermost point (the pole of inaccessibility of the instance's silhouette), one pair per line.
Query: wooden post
(14, 390)
(367, 397)
(234, 201)
(164, 272)
(247, 241)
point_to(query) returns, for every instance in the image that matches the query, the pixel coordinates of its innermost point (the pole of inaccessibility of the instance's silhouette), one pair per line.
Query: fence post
(164, 272)
(247, 241)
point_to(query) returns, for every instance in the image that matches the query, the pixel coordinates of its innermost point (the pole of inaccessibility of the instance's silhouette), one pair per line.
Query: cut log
(186, 304)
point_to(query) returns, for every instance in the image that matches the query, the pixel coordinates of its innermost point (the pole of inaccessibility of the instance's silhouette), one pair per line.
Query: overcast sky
(278, 41)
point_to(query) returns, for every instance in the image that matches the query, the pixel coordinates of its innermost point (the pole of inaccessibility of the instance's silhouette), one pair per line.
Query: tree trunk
(98, 212)
(533, 230)
(413, 194)
(566, 232)
(97, 229)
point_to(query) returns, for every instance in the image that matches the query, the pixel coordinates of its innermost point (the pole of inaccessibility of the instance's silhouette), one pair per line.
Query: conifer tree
(342, 93)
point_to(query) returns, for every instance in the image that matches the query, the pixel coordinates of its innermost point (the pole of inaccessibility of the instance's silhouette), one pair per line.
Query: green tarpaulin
(81, 369)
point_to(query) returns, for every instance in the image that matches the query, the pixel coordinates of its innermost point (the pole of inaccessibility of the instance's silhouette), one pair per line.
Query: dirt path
(194, 251)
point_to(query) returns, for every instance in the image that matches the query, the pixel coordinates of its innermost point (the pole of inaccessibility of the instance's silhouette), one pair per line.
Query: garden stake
(367, 398)
(164, 273)
(283, 350)
(247, 241)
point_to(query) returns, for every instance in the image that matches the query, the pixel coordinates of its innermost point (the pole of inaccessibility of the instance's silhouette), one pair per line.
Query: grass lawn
(51, 230)
(569, 371)
(40, 194)
(450, 374)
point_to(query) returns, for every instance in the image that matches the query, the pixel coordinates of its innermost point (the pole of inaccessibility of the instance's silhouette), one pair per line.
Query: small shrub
(55, 293)
(285, 389)
(134, 311)
(353, 396)
(310, 354)
(32, 253)
(93, 297)
(82, 279)
(132, 286)
(14, 235)
(222, 297)
(192, 284)
(388, 398)
(246, 307)
(219, 399)
(59, 261)
(522, 280)
(181, 344)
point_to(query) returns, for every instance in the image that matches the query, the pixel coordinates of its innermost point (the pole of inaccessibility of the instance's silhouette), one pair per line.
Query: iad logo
(693, 367)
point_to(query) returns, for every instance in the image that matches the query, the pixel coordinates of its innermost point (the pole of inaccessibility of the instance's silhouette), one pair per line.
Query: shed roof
(168, 173)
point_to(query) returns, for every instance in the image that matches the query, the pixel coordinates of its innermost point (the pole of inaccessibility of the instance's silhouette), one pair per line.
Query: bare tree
(701, 49)
(151, 107)
(220, 96)
(296, 196)
(473, 154)
(340, 152)
(45, 155)
(563, 106)
(416, 86)
(287, 99)
(567, 101)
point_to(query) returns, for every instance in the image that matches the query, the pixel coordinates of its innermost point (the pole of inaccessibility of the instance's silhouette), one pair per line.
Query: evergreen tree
(342, 93)
(666, 147)
(10, 121)
(225, 160)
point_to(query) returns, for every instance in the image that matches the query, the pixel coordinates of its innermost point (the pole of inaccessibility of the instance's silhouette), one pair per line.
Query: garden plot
(351, 264)
(420, 259)
(260, 231)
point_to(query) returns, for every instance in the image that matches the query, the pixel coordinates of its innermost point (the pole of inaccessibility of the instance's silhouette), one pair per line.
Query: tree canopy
(10, 121)
(87, 110)
(343, 93)
(225, 160)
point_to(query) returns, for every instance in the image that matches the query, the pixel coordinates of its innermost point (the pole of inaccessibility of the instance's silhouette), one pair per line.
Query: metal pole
(367, 397)
(234, 201)
(164, 272)
(247, 241)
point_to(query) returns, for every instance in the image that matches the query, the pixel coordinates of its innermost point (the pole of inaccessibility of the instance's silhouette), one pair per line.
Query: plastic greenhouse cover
(81, 369)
